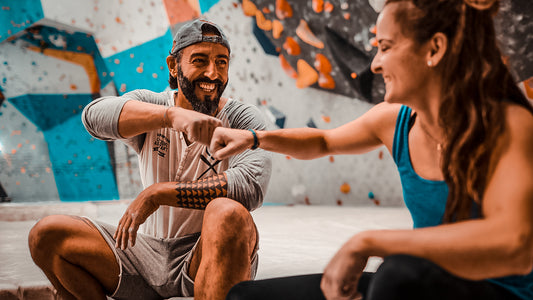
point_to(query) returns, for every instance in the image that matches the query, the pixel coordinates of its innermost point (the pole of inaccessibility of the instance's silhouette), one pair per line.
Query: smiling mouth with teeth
(207, 87)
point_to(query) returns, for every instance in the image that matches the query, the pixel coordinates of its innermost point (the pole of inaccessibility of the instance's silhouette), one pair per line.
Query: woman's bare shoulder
(519, 120)
(381, 120)
(384, 112)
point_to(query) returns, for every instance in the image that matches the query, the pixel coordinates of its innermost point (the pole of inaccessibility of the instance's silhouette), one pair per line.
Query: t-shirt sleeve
(100, 117)
(249, 172)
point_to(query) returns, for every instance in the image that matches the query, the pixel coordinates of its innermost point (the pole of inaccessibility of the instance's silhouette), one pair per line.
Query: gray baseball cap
(194, 32)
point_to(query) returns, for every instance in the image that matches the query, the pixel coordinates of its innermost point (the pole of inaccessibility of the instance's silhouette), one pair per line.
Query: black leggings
(398, 277)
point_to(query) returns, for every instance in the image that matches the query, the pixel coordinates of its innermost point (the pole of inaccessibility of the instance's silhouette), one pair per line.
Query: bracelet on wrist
(256, 140)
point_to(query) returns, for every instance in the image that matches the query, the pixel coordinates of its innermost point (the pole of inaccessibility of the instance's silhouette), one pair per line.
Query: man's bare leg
(223, 256)
(74, 256)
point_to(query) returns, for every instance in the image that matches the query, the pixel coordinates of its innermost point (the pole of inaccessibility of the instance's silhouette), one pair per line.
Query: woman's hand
(135, 215)
(227, 142)
(342, 273)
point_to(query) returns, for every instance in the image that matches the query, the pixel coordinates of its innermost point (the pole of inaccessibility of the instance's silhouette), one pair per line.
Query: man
(199, 237)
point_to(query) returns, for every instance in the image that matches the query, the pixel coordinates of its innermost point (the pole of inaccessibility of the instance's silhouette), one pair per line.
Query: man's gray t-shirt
(164, 156)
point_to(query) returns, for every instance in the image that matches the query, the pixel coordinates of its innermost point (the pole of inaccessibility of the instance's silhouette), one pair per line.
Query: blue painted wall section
(81, 164)
(143, 66)
(205, 5)
(48, 111)
(17, 15)
(265, 42)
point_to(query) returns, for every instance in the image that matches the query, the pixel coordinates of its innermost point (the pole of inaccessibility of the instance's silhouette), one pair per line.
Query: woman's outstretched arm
(371, 130)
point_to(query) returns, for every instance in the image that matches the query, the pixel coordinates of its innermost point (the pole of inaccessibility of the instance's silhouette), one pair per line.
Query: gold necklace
(439, 144)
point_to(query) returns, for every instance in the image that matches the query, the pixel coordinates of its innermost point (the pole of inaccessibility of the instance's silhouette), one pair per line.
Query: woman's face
(400, 60)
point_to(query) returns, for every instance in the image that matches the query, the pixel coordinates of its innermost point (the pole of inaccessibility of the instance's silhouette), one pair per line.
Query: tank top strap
(401, 134)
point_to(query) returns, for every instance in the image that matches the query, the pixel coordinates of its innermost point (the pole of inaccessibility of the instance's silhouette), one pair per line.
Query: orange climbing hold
(328, 7)
(287, 67)
(322, 63)
(326, 81)
(374, 42)
(345, 188)
(291, 46)
(528, 86)
(283, 9)
(306, 35)
(249, 8)
(326, 119)
(262, 22)
(306, 74)
(318, 6)
(277, 29)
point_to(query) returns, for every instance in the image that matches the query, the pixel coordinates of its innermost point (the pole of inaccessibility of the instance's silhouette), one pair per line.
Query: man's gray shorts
(155, 268)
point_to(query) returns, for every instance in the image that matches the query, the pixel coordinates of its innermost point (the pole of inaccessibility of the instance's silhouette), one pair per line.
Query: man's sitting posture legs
(81, 265)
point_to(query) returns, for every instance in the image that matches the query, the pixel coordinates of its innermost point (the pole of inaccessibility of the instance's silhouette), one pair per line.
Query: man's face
(203, 75)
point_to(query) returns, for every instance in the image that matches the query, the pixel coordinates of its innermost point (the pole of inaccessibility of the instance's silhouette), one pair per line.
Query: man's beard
(207, 106)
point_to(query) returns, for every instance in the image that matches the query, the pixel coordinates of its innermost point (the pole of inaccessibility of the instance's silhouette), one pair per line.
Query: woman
(459, 130)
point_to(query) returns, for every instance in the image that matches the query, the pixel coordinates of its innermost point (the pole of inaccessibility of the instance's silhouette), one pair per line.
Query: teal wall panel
(205, 5)
(142, 67)
(81, 164)
(17, 15)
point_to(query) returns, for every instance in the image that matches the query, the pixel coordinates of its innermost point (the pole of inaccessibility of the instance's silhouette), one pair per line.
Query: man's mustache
(207, 80)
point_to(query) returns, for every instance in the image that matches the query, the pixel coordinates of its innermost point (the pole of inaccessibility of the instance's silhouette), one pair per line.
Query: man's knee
(228, 219)
(44, 237)
(47, 236)
(225, 211)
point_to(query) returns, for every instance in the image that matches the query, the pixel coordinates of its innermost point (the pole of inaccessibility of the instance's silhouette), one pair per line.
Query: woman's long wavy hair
(475, 83)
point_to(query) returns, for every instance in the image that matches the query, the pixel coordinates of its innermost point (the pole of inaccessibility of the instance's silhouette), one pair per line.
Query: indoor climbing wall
(318, 76)
(290, 96)
(56, 57)
(304, 63)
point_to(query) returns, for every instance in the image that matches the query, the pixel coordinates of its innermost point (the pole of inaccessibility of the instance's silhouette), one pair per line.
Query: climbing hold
(345, 188)
(306, 74)
(291, 46)
(306, 35)
(283, 9)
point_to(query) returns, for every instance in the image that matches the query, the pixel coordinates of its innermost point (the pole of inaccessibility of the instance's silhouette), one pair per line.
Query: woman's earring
(430, 63)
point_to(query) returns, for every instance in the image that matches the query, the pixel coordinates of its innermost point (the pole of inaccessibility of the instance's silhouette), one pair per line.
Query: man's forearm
(139, 117)
(197, 194)
(190, 194)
